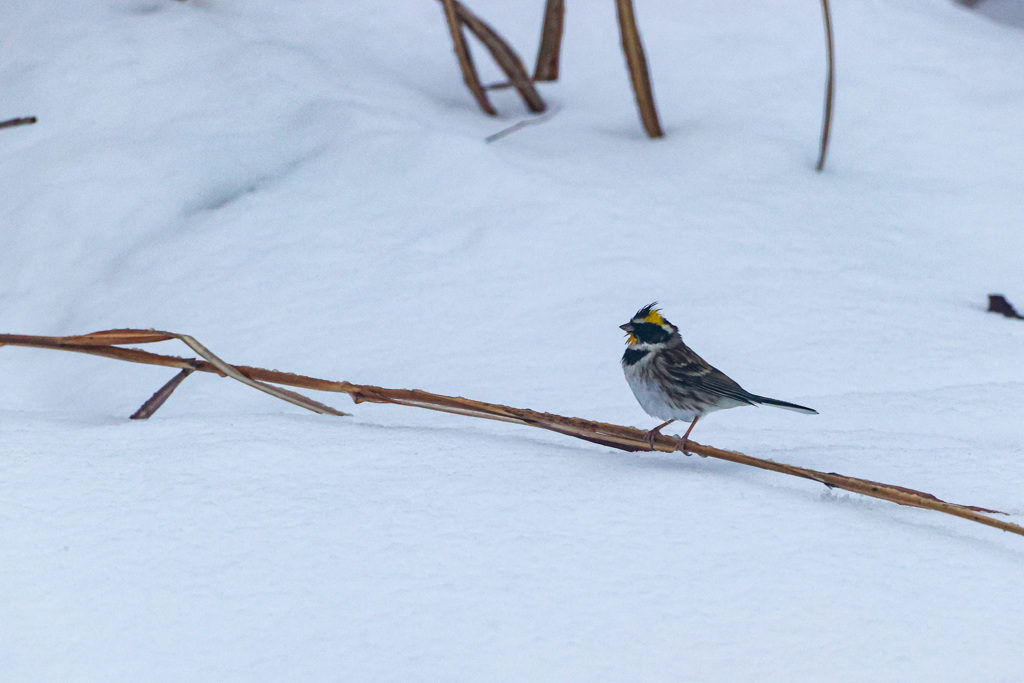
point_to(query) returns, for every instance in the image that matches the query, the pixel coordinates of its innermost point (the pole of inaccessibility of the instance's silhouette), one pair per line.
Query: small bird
(671, 382)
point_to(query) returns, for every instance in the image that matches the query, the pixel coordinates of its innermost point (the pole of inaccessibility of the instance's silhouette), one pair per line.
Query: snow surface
(305, 186)
(1006, 11)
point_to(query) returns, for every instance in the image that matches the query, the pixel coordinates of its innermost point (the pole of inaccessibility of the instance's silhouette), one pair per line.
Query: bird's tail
(784, 404)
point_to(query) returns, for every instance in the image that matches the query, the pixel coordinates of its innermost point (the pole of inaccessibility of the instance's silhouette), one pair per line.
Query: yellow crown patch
(654, 316)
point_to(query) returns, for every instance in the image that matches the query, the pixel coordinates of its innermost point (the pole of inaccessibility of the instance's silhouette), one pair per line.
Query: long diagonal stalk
(109, 344)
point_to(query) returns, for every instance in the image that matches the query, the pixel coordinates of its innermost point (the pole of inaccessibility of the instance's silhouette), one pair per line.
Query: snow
(305, 186)
(1004, 11)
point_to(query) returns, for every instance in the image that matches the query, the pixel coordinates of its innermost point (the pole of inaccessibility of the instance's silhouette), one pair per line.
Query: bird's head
(648, 327)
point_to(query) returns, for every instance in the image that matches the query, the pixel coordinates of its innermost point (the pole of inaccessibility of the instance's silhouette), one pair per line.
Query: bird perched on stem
(671, 382)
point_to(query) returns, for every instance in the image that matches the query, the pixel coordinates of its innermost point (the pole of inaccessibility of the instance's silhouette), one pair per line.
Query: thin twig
(547, 116)
(826, 124)
(162, 394)
(23, 121)
(549, 52)
(637, 64)
(614, 436)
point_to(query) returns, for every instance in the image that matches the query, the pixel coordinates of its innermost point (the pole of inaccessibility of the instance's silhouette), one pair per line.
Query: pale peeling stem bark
(108, 344)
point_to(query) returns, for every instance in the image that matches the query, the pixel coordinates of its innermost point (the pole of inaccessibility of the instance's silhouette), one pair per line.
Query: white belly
(652, 399)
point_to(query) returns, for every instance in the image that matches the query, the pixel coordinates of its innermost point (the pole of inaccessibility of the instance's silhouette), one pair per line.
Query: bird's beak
(628, 327)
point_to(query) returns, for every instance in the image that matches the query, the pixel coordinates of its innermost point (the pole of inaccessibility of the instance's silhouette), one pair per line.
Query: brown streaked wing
(685, 366)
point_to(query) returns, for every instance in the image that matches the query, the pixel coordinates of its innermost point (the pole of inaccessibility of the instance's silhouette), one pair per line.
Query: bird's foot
(650, 436)
(683, 445)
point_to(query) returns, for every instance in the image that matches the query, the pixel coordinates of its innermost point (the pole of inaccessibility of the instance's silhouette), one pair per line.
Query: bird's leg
(682, 443)
(649, 436)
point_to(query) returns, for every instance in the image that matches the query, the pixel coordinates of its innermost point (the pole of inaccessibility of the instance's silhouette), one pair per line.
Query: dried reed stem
(615, 436)
(469, 74)
(161, 395)
(504, 56)
(550, 49)
(637, 64)
(826, 124)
